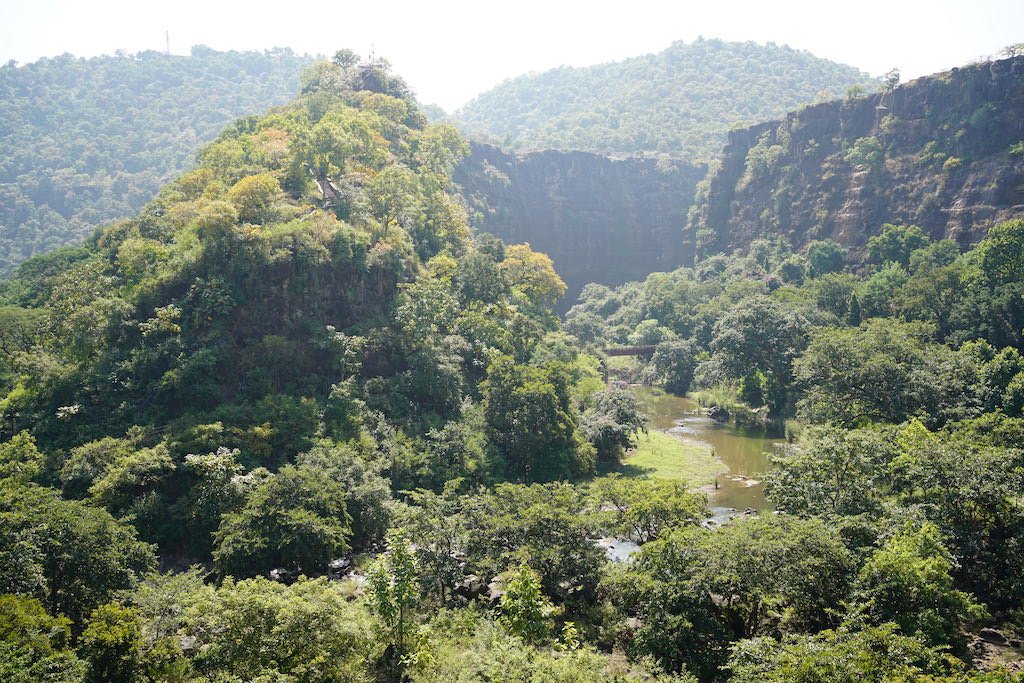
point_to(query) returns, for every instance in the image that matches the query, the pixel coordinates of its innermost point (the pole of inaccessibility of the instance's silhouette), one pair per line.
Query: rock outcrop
(943, 152)
(600, 219)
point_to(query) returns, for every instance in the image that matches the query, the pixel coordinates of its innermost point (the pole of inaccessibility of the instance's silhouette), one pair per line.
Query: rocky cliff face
(599, 219)
(942, 152)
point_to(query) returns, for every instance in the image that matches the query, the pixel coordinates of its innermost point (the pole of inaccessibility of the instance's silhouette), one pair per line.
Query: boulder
(718, 414)
(336, 569)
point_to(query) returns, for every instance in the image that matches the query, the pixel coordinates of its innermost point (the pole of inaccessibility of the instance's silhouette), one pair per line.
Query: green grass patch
(662, 456)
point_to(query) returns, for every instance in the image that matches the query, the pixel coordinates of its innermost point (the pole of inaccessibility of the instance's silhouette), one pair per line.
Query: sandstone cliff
(599, 219)
(942, 152)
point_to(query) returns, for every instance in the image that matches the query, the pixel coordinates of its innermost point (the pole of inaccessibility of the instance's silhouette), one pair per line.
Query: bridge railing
(631, 350)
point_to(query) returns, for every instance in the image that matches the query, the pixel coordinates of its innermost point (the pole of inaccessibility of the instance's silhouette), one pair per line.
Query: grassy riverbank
(662, 456)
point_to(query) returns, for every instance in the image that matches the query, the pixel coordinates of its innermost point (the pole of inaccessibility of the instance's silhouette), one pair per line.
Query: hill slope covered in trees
(86, 141)
(681, 101)
(298, 362)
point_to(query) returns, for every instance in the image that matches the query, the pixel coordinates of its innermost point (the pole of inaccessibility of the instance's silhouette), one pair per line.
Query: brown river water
(744, 450)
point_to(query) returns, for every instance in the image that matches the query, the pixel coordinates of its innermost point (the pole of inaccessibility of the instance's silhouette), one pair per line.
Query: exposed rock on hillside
(600, 219)
(942, 152)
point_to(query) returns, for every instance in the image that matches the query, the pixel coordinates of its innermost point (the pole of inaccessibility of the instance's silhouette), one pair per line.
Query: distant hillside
(944, 152)
(681, 101)
(86, 141)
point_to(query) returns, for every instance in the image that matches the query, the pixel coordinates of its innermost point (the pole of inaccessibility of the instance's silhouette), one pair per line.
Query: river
(744, 450)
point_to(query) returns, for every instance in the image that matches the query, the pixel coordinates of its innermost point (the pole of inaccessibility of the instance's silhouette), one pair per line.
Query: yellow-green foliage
(124, 124)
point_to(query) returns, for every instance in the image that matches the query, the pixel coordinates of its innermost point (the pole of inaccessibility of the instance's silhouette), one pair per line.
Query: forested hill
(299, 372)
(682, 100)
(86, 141)
(945, 153)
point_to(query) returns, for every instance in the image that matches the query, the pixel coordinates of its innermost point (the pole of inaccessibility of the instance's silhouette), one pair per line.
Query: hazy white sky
(451, 50)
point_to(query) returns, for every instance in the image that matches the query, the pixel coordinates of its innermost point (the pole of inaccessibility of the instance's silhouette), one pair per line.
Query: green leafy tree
(833, 472)
(967, 489)
(824, 256)
(525, 612)
(478, 277)
(254, 197)
(257, 629)
(72, 556)
(531, 274)
(529, 419)
(833, 292)
(874, 655)
(111, 644)
(20, 459)
(891, 79)
(673, 365)
(1013, 397)
(792, 270)
(866, 153)
(345, 58)
(612, 421)
(853, 317)
(796, 569)
(879, 292)
(218, 488)
(676, 625)
(696, 590)
(440, 148)
(542, 526)
(132, 475)
(368, 496)
(896, 243)
(394, 593)
(873, 372)
(464, 646)
(1002, 253)
(908, 581)
(641, 510)
(392, 193)
(755, 343)
(34, 646)
(438, 523)
(87, 463)
(296, 520)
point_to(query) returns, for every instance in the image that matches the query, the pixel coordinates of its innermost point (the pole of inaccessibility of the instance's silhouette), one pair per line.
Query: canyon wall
(600, 219)
(942, 152)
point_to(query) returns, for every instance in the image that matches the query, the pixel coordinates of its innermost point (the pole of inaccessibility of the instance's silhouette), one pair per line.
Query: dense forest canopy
(294, 421)
(86, 141)
(901, 385)
(681, 101)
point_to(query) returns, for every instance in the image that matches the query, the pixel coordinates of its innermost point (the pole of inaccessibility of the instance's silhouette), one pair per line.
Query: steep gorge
(942, 152)
(600, 219)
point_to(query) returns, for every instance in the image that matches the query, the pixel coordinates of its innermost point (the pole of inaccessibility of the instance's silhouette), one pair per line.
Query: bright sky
(451, 50)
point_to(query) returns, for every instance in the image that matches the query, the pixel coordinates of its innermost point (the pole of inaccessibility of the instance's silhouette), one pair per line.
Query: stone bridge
(631, 350)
